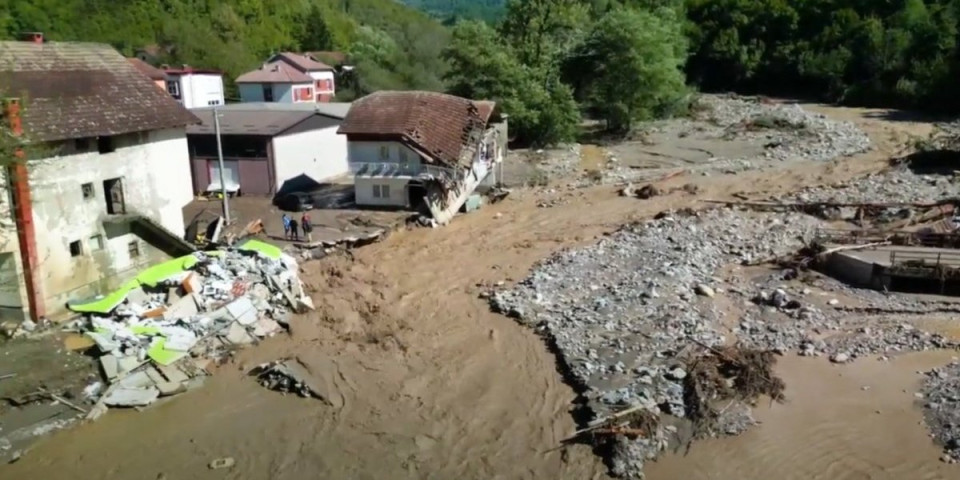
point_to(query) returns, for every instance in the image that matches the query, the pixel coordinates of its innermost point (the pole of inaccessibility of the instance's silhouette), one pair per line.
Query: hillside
(393, 46)
(487, 10)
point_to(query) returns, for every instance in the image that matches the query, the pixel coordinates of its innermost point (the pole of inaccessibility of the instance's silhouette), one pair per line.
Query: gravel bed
(941, 402)
(621, 313)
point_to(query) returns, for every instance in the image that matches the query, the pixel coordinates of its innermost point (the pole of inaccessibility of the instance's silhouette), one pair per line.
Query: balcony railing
(384, 169)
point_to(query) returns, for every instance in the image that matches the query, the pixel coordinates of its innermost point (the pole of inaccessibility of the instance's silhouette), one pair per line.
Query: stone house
(101, 191)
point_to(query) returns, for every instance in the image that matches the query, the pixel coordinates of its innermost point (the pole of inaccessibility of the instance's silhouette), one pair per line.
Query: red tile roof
(153, 73)
(80, 90)
(440, 125)
(300, 62)
(275, 72)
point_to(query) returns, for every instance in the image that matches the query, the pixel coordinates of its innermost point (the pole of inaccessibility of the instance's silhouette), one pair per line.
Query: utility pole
(223, 185)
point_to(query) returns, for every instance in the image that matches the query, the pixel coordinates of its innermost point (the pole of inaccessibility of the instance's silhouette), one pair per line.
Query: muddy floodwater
(841, 422)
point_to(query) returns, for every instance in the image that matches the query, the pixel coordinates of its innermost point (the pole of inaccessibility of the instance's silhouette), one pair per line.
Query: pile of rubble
(626, 314)
(941, 402)
(894, 185)
(160, 339)
(790, 132)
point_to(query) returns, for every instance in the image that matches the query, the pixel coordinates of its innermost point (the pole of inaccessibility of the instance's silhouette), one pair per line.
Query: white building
(288, 78)
(403, 145)
(101, 196)
(268, 148)
(194, 87)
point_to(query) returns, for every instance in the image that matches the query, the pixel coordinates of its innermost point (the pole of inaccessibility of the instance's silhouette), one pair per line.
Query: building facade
(288, 78)
(193, 87)
(99, 197)
(268, 148)
(403, 144)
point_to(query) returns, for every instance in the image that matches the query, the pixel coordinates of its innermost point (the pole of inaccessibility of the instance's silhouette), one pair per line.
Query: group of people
(291, 229)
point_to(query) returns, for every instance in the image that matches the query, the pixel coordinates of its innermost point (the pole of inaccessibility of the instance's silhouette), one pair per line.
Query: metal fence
(385, 169)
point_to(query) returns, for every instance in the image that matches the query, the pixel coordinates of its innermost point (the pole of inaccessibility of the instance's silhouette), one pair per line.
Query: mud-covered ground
(433, 384)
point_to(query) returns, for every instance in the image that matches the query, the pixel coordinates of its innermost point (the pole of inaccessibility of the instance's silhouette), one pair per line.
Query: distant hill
(488, 10)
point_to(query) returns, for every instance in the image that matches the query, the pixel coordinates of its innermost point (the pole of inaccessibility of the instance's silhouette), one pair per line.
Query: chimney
(35, 37)
(165, 66)
(185, 66)
(11, 112)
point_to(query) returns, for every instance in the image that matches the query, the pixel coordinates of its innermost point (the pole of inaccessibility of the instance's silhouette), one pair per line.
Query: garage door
(231, 175)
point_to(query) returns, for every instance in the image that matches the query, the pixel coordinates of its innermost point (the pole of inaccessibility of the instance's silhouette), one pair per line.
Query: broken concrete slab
(192, 283)
(243, 311)
(304, 304)
(238, 335)
(185, 307)
(105, 341)
(140, 379)
(131, 397)
(110, 367)
(265, 327)
(172, 373)
(137, 296)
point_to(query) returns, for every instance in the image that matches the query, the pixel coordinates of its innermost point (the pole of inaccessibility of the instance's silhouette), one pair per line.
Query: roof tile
(275, 72)
(78, 90)
(438, 124)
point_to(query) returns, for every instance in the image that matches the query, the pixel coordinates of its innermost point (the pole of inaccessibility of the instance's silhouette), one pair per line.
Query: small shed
(268, 147)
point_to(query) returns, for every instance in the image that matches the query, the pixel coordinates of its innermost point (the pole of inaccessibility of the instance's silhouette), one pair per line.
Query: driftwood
(62, 400)
(606, 421)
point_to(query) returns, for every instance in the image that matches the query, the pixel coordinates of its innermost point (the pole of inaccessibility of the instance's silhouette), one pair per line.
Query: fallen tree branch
(62, 400)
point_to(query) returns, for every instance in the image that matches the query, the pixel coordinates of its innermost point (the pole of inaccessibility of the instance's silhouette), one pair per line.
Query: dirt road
(430, 383)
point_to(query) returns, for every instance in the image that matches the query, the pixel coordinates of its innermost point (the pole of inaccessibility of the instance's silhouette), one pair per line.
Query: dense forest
(548, 62)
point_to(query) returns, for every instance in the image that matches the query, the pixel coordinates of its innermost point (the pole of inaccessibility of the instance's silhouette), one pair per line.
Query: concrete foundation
(902, 269)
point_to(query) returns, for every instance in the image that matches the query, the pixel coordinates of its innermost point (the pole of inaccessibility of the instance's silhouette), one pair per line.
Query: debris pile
(941, 402)
(157, 337)
(790, 132)
(626, 314)
(285, 376)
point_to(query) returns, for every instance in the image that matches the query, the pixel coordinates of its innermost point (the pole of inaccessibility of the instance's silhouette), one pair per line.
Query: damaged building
(422, 150)
(106, 177)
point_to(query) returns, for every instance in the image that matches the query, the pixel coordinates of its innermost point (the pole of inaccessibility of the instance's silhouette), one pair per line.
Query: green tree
(483, 67)
(315, 36)
(637, 58)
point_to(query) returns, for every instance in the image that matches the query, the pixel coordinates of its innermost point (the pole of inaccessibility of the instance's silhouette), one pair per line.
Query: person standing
(294, 233)
(307, 226)
(286, 226)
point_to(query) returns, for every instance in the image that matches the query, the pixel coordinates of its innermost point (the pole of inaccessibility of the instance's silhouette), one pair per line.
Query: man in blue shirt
(286, 226)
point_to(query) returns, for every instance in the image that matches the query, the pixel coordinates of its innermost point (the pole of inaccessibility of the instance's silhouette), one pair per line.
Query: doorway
(417, 196)
(113, 194)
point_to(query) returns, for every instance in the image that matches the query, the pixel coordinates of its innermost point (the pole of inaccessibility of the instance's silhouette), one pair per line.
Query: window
(96, 243)
(134, 249)
(87, 189)
(303, 94)
(213, 102)
(267, 93)
(381, 191)
(173, 88)
(384, 152)
(75, 248)
(81, 144)
(105, 144)
(403, 156)
(113, 195)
